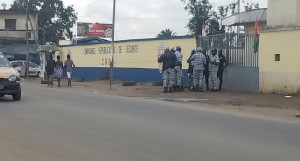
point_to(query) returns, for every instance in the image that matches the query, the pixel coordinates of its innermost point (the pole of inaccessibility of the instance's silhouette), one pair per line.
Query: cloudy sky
(138, 18)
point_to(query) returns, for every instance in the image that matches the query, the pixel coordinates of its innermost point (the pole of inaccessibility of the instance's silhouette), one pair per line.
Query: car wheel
(38, 74)
(17, 96)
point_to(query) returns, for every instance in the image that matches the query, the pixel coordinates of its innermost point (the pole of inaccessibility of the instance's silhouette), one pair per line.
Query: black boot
(214, 90)
(165, 90)
(178, 88)
(201, 89)
(182, 88)
(174, 89)
(171, 90)
(196, 89)
(220, 87)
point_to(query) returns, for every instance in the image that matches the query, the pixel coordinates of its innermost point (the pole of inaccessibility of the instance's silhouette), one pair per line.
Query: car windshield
(33, 65)
(3, 61)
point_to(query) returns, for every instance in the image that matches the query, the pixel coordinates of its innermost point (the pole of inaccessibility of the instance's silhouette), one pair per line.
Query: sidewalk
(264, 104)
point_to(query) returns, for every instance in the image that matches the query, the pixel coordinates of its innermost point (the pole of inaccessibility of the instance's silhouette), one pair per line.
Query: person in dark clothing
(173, 50)
(206, 70)
(190, 71)
(168, 59)
(58, 70)
(221, 68)
(50, 70)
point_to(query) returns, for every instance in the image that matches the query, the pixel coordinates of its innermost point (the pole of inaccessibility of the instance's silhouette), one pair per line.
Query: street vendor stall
(45, 51)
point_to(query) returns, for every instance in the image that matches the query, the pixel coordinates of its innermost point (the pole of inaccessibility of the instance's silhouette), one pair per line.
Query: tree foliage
(202, 12)
(54, 18)
(166, 33)
(246, 4)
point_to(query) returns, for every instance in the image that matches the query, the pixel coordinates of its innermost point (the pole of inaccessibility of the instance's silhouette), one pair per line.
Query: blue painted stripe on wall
(90, 73)
(137, 74)
(122, 74)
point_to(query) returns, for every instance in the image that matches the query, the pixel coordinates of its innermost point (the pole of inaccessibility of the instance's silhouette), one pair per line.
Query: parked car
(34, 69)
(9, 79)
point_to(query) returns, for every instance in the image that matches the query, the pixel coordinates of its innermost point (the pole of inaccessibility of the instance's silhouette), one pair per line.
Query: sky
(138, 18)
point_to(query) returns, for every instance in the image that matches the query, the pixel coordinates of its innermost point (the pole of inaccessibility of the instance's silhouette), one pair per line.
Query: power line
(135, 18)
(131, 32)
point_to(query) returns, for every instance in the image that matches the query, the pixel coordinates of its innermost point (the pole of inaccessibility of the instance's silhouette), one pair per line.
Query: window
(32, 65)
(277, 57)
(3, 61)
(10, 24)
(19, 64)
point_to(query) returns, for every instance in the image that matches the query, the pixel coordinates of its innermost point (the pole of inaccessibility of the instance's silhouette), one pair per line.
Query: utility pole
(112, 46)
(27, 44)
(239, 18)
(44, 36)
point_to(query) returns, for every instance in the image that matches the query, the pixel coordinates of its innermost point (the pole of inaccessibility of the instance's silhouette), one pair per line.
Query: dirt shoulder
(266, 105)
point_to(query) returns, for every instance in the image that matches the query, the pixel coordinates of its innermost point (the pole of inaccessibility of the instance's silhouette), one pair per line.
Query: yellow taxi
(9, 80)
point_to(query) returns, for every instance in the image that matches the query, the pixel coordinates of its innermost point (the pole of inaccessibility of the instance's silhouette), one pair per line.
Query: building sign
(122, 49)
(94, 30)
(106, 50)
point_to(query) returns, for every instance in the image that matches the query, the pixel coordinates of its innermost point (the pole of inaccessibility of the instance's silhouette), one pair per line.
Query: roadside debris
(288, 96)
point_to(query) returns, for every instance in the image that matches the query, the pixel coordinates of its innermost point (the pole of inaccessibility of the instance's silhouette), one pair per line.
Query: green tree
(166, 33)
(250, 5)
(246, 4)
(200, 11)
(213, 23)
(54, 18)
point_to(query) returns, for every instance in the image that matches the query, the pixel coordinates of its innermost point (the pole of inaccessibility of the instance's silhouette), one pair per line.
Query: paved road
(70, 125)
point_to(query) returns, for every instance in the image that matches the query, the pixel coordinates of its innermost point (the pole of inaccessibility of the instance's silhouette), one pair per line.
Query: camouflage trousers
(178, 76)
(168, 76)
(214, 78)
(198, 77)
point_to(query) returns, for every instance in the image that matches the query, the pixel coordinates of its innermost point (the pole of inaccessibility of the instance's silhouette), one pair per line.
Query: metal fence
(238, 48)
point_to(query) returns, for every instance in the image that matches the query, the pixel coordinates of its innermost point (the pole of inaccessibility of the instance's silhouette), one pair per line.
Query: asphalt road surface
(73, 125)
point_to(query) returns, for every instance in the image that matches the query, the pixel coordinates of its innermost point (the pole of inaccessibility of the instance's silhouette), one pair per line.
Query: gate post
(227, 48)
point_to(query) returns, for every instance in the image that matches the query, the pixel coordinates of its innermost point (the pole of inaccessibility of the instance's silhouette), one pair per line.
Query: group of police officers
(201, 64)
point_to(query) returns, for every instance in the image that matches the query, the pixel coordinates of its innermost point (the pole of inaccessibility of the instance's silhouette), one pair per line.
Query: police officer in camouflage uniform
(178, 70)
(214, 62)
(198, 61)
(168, 59)
(190, 71)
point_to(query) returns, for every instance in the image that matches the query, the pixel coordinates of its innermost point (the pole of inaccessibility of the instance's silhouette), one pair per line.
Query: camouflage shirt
(198, 61)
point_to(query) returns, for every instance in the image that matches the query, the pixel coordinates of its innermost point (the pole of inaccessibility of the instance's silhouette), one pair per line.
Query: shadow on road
(6, 99)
